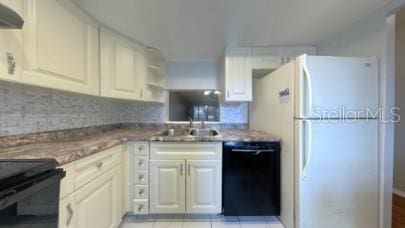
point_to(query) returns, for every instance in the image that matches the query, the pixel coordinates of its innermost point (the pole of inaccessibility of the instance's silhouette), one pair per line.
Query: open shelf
(155, 70)
(156, 86)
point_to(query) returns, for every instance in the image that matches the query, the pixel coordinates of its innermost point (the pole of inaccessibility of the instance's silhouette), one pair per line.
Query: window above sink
(200, 105)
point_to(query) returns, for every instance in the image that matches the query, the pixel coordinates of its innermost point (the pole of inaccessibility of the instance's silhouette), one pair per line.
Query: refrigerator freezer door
(336, 87)
(337, 174)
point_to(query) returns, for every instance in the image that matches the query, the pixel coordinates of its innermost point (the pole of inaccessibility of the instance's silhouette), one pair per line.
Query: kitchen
(194, 114)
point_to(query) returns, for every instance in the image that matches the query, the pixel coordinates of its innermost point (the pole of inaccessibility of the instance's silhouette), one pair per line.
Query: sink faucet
(191, 122)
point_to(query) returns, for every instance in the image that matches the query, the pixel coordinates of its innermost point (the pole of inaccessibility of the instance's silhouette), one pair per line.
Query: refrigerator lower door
(337, 174)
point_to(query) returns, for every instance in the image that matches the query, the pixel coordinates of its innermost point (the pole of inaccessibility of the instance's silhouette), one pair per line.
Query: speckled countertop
(65, 150)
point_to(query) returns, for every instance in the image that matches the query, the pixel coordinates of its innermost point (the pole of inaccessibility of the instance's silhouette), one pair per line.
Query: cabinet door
(267, 58)
(10, 45)
(167, 186)
(99, 202)
(238, 75)
(204, 187)
(121, 61)
(61, 47)
(67, 212)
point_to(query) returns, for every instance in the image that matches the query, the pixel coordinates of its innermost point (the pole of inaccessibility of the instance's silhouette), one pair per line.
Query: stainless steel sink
(185, 132)
(176, 132)
(204, 132)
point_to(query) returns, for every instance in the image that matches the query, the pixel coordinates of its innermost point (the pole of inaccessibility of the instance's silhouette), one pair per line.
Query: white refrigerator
(325, 109)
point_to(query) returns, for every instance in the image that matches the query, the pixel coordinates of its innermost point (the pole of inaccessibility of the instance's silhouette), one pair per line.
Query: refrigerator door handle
(307, 152)
(308, 78)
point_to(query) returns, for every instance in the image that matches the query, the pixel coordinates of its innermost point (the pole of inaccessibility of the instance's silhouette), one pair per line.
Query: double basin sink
(190, 132)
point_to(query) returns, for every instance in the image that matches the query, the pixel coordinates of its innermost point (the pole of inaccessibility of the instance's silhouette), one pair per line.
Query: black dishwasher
(251, 178)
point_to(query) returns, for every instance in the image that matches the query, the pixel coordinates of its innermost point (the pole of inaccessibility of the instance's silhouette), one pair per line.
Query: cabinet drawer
(141, 177)
(141, 206)
(141, 162)
(91, 167)
(186, 151)
(141, 192)
(139, 148)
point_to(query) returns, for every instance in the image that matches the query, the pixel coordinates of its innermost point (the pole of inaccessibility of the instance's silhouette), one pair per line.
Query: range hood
(9, 19)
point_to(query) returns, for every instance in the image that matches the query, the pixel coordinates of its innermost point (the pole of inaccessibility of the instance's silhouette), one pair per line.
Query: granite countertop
(71, 149)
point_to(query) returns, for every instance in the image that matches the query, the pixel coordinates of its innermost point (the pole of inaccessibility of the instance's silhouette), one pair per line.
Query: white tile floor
(199, 221)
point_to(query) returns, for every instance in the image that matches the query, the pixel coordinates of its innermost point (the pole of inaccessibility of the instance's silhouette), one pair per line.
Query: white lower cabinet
(204, 181)
(179, 184)
(98, 202)
(67, 209)
(167, 186)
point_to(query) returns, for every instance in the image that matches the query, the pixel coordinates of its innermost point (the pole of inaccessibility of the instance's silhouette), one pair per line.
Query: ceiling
(201, 29)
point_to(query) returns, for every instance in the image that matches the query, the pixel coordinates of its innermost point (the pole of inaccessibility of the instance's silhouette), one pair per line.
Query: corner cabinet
(97, 203)
(122, 67)
(61, 47)
(186, 178)
(91, 194)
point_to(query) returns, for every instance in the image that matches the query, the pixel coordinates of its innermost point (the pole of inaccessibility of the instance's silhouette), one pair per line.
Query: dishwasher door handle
(252, 151)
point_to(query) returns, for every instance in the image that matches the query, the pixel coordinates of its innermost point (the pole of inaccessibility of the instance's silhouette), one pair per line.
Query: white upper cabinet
(238, 74)
(122, 64)
(267, 58)
(61, 47)
(11, 50)
(204, 183)
(241, 64)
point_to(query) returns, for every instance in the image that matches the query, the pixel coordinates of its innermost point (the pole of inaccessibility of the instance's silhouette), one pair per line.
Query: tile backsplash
(27, 109)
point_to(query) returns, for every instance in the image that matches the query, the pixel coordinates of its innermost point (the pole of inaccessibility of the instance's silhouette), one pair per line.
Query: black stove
(29, 193)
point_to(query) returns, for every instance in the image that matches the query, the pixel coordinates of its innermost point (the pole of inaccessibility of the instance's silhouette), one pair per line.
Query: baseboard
(399, 193)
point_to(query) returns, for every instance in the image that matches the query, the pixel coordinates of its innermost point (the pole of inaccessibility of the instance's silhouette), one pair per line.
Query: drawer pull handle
(99, 165)
(70, 214)
(140, 177)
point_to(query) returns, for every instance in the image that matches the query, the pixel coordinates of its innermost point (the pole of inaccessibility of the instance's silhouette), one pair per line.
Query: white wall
(192, 74)
(399, 155)
(368, 37)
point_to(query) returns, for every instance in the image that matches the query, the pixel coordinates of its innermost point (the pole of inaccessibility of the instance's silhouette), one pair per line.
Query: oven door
(34, 203)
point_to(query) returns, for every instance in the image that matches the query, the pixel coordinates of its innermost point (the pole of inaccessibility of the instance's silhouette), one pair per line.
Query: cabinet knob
(141, 192)
(99, 165)
(140, 177)
(140, 208)
(140, 148)
(140, 162)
